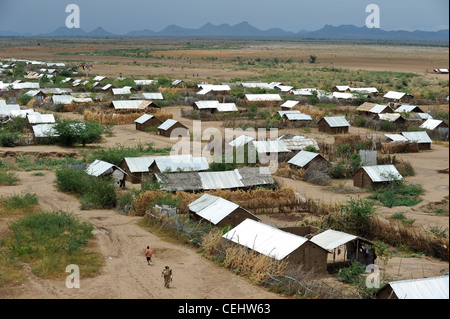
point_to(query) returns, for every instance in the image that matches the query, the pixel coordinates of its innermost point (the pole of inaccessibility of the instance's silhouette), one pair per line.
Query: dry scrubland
(120, 239)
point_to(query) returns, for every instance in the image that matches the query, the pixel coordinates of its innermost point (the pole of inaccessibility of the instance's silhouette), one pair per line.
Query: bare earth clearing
(121, 241)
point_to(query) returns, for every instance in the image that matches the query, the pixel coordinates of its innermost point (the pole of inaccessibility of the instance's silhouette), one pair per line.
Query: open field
(120, 239)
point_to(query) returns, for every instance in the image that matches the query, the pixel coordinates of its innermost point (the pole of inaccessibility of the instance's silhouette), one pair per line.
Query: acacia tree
(72, 132)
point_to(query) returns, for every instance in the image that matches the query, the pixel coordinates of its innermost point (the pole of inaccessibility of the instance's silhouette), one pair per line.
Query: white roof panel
(430, 124)
(302, 158)
(143, 118)
(382, 173)
(167, 124)
(263, 97)
(426, 288)
(331, 239)
(276, 146)
(153, 96)
(419, 137)
(265, 239)
(212, 208)
(336, 121)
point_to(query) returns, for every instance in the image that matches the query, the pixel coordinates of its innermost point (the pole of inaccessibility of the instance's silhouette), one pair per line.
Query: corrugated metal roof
(418, 137)
(277, 146)
(331, 239)
(122, 91)
(38, 118)
(426, 288)
(298, 117)
(220, 180)
(238, 178)
(139, 164)
(227, 107)
(130, 104)
(342, 88)
(345, 96)
(203, 105)
(259, 85)
(390, 117)
(424, 116)
(336, 121)
(99, 78)
(304, 92)
(44, 130)
(302, 158)
(265, 239)
(263, 97)
(167, 124)
(394, 95)
(98, 168)
(281, 113)
(22, 113)
(185, 163)
(377, 109)
(365, 90)
(206, 88)
(143, 118)
(298, 142)
(62, 99)
(212, 208)
(408, 108)
(144, 82)
(289, 104)
(153, 96)
(430, 124)
(241, 141)
(396, 137)
(5, 109)
(382, 173)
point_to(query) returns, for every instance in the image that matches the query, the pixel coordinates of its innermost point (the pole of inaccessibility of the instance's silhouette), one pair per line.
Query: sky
(120, 17)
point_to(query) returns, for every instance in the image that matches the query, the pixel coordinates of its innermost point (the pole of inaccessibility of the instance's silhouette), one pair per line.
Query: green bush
(8, 178)
(24, 201)
(72, 132)
(351, 274)
(8, 139)
(94, 192)
(398, 193)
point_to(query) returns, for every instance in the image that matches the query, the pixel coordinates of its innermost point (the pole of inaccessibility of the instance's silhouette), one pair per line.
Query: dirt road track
(126, 274)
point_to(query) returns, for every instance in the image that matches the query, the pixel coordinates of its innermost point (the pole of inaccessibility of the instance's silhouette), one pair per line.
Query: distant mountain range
(244, 29)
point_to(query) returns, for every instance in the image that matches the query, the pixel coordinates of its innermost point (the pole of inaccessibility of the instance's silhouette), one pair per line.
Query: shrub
(94, 192)
(74, 132)
(16, 202)
(351, 274)
(398, 193)
(8, 178)
(8, 139)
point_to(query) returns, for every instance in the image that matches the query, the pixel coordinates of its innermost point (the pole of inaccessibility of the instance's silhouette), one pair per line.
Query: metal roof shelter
(408, 108)
(289, 104)
(394, 95)
(331, 239)
(396, 137)
(265, 239)
(143, 118)
(38, 118)
(390, 117)
(207, 88)
(204, 105)
(303, 158)
(425, 288)
(241, 141)
(263, 97)
(382, 173)
(214, 208)
(344, 96)
(167, 124)
(227, 107)
(44, 130)
(130, 104)
(144, 82)
(298, 142)
(153, 96)
(418, 137)
(276, 146)
(98, 168)
(197, 181)
(431, 124)
(187, 163)
(336, 121)
(6, 109)
(62, 99)
(304, 92)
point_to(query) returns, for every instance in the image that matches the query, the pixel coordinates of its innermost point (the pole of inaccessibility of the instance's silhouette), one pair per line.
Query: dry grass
(107, 118)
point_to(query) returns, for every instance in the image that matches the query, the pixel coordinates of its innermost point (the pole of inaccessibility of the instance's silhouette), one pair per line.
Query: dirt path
(126, 274)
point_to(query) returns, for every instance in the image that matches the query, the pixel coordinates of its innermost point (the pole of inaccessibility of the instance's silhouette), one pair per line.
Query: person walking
(148, 254)
(167, 274)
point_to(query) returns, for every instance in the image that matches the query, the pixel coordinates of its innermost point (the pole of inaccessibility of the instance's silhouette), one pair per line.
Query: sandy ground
(126, 274)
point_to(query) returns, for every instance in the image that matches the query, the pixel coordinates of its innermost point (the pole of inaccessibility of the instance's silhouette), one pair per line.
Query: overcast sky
(120, 17)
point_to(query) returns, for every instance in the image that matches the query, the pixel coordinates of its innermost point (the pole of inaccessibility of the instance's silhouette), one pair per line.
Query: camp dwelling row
(318, 253)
